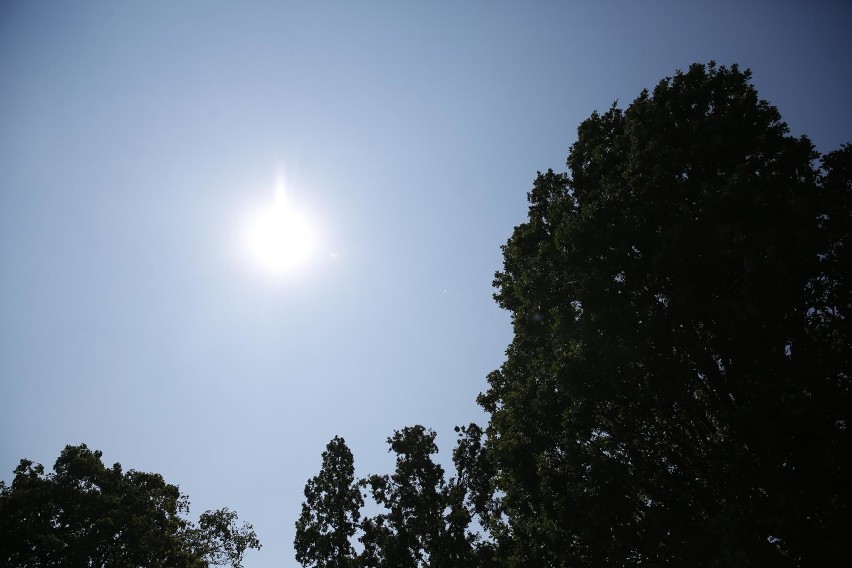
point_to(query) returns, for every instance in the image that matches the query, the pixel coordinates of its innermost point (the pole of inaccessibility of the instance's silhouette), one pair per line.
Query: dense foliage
(331, 512)
(679, 377)
(679, 387)
(87, 514)
(425, 523)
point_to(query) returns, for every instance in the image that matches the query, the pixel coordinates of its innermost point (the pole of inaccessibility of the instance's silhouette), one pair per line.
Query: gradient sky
(134, 136)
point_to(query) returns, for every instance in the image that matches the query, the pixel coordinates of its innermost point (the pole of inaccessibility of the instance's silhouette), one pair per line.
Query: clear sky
(136, 137)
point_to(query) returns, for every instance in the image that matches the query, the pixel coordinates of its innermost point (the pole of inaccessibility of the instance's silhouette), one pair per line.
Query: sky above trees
(135, 139)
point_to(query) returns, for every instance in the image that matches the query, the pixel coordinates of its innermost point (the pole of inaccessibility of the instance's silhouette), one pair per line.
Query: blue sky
(134, 136)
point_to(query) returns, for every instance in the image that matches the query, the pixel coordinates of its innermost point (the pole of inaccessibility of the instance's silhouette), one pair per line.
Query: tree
(331, 512)
(220, 540)
(677, 391)
(425, 523)
(85, 514)
(472, 496)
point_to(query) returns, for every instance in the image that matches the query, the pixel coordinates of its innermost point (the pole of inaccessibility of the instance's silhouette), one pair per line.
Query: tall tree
(425, 522)
(680, 373)
(331, 512)
(86, 514)
(472, 496)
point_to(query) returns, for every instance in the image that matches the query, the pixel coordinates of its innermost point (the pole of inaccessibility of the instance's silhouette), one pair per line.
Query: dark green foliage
(85, 514)
(331, 512)
(473, 495)
(680, 371)
(425, 523)
(220, 540)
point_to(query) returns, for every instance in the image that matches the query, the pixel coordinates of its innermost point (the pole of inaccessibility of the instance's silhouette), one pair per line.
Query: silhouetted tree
(331, 512)
(85, 514)
(677, 392)
(426, 521)
(472, 495)
(220, 540)
(408, 534)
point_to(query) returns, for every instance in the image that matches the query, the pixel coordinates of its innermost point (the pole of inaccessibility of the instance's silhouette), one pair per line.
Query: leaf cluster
(87, 514)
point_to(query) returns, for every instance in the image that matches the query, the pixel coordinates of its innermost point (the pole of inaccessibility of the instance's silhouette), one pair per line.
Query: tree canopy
(331, 511)
(87, 514)
(679, 386)
(425, 523)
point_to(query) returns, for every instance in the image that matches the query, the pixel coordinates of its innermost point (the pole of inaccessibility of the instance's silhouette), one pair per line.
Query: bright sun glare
(280, 238)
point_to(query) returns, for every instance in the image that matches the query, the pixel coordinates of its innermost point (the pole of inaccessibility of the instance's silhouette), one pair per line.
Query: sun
(280, 238)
